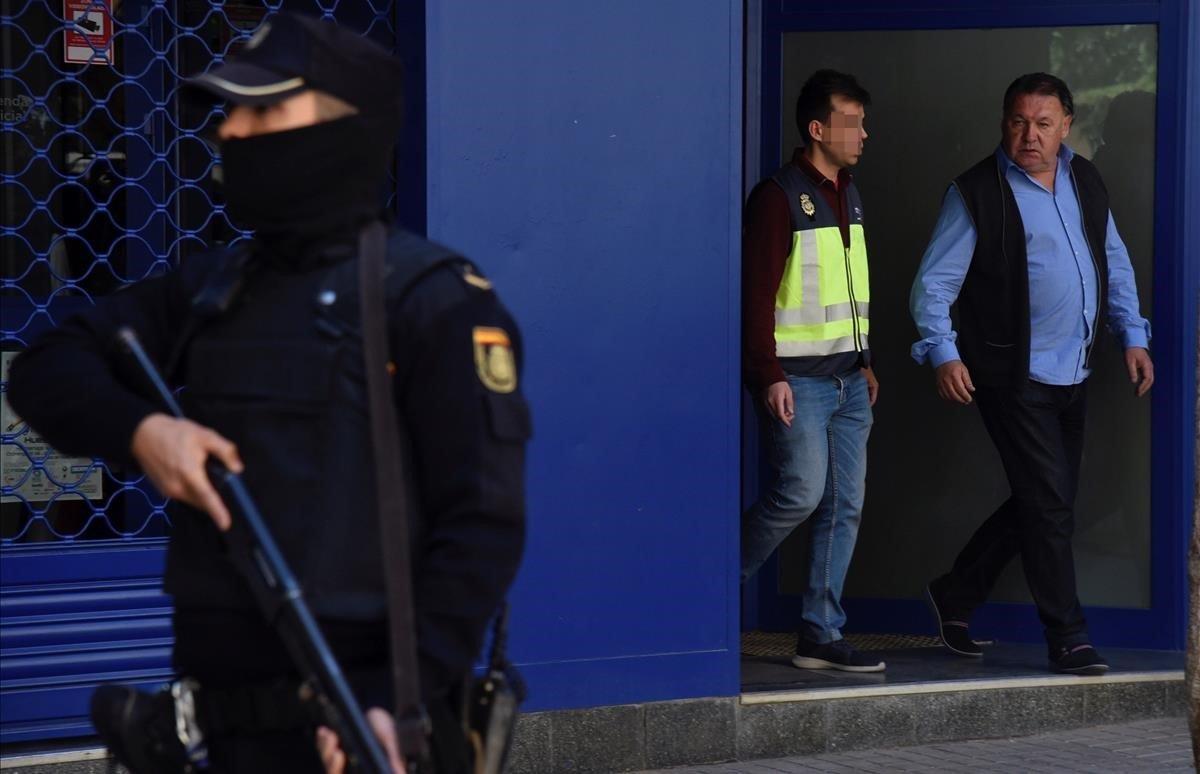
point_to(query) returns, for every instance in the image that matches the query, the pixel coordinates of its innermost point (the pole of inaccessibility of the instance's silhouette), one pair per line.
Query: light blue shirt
(1062, 278)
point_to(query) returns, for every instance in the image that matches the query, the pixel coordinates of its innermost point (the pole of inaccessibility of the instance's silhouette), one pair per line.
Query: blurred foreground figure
(267, 339)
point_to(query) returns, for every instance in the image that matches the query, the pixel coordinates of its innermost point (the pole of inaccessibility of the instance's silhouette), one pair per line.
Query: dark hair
(1039, 83)
(815, 102)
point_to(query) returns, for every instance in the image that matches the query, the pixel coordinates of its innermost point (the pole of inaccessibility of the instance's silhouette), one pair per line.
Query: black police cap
(290, 53)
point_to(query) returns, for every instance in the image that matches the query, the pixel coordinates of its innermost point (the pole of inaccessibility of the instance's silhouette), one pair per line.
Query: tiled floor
(1160, 745)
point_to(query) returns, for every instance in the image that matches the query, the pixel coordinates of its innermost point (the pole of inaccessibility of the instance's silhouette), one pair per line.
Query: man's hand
(1141, 369)
(780, 402)
(954, 382)
(872, 385)
(380, 720)
(173, 452)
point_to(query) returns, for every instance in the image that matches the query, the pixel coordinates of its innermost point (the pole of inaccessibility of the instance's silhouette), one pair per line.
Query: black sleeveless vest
(993, 305)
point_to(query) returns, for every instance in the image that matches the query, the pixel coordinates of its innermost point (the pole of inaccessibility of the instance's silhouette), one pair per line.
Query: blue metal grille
(106, 177)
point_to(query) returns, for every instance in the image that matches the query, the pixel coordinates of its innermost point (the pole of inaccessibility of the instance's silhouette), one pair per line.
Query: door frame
(1175, 291)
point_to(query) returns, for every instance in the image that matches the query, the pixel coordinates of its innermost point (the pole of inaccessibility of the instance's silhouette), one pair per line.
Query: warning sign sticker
(35, 484)
(89, 32)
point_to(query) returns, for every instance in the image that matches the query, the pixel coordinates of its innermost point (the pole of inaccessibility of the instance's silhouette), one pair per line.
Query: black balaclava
(305, 187)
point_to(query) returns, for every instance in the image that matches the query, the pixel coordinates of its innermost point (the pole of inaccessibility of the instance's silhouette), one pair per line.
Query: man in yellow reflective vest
(806, 312)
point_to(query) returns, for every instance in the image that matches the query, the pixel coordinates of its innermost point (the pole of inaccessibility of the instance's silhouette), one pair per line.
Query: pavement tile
(1160, 749)
(826, 767)
(1159, 745)
(838, 768)
(787, 765)
(1160, 754)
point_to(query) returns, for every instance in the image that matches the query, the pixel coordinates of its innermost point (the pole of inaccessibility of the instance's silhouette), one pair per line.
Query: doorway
(933, 475)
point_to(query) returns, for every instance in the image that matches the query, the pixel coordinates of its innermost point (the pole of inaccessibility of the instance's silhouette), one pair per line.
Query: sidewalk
(1160, 745)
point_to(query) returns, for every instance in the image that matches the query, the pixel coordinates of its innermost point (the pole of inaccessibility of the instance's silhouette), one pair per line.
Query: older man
(1026, 245)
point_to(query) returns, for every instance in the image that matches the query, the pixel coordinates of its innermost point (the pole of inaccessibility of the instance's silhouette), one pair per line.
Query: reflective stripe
(838, 312)
(818, 348)
(805, 260)
(810, 272)
(814, 348)
(815, 316)
(858, 263)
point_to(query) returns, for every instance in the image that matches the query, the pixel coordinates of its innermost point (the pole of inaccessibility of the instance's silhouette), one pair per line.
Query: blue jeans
(819, 466)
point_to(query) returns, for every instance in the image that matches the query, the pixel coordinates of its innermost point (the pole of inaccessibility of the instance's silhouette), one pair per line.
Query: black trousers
(225, 650)
(1038, 431)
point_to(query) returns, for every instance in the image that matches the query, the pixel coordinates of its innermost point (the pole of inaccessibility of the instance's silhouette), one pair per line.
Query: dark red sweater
(766, 244)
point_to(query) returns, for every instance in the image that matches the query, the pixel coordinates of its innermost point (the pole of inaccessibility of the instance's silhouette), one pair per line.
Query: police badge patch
(494, 361)
(806, 204)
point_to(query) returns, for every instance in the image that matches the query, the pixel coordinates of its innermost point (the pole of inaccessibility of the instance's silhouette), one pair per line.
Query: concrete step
(926, 695)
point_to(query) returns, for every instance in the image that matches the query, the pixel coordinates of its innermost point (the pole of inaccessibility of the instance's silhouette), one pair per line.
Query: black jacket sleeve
(468, 454)
(74, 386)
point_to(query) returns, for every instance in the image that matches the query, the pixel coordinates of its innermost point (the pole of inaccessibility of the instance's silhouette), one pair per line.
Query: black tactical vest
(281, 375)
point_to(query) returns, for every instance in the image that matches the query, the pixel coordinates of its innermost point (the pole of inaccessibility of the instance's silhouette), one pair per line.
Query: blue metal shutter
(106, 179)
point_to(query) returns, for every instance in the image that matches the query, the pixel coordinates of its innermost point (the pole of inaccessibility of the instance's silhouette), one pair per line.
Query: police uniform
(266, 339)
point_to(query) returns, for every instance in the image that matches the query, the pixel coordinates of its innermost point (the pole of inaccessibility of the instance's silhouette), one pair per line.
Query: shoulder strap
(412, 723)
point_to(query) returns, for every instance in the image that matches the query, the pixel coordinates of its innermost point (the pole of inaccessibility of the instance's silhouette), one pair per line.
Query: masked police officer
(266, 340)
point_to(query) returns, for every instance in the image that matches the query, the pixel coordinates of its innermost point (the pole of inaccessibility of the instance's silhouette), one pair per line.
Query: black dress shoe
(954, 634)
(1077, 660)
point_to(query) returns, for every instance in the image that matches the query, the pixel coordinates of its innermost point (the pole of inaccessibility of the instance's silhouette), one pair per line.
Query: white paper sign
(58, 471)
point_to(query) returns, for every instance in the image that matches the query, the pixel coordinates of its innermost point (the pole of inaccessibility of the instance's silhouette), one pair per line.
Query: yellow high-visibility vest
(823, 303)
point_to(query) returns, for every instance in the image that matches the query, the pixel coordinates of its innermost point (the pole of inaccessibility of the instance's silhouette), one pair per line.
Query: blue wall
(588, 156)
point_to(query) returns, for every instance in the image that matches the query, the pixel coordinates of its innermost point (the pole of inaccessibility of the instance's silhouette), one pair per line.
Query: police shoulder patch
(494, 360)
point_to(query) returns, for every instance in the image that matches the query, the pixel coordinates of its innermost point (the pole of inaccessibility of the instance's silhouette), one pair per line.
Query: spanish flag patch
(494, 360)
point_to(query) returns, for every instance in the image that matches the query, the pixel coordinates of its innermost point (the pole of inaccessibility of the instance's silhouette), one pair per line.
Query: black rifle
(279, 597)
